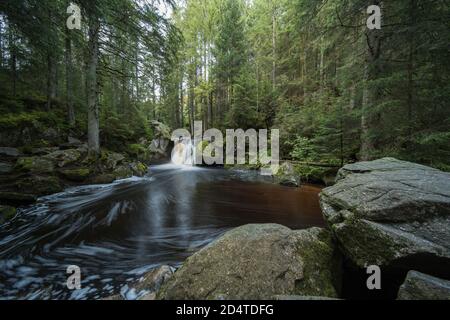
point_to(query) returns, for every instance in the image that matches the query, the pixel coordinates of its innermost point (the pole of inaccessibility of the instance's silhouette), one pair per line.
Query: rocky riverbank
(388, 213)
(29, 173)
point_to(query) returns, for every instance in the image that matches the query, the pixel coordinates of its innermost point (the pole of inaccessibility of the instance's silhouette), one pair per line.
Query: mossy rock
(258, 262)
(34, 165)
(110, 160)
(391, 213)
(123, 172)
(316, 174)
(39, 185)
(64, 157)
(16, 198)
(138, 168)
(287, 176)
(103, 179)
(7, 213)
(76, 175)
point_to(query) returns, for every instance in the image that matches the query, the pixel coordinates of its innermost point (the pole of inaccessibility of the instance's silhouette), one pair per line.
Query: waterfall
(183, 153)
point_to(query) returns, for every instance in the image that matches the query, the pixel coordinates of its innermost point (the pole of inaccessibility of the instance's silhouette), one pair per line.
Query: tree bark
(51, 79)
(13, 62)
(370, 93)
(93, 114)
(69, 80)
(274, 51)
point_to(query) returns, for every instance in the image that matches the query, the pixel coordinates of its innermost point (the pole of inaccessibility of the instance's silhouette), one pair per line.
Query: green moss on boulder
(259, 262)
(76, 175)
(7, 213)
(39, 185)
(34, 165)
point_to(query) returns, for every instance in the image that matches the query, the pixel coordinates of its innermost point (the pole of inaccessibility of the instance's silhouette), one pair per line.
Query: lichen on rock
(259, 262)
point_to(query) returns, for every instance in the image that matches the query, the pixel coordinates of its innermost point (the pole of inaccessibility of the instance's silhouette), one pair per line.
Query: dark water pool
(115, 233)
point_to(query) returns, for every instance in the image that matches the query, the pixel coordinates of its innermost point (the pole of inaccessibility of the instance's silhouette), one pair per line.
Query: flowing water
(117, 232)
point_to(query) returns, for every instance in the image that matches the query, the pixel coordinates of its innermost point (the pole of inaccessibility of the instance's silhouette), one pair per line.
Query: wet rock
(159, 147)
(391, 213)
(110, 160)
(149, 297)
(16, 198)
(138, 168)
(6, 168)
(34, 165)
(43, 151)
(123, 172)
(419, 286)
(259, 262)
(9, 152)
(64, 158)
(103, 179)
(7, 213)
(76, 175)
(39, 185)
(287, 176)
(153, 280)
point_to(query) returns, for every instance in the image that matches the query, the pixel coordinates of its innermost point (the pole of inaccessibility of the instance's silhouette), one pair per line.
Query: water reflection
(117, 232)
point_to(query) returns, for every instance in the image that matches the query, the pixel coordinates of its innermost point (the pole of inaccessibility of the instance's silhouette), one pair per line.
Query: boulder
(43, 151)
(76, 175)
(286, 175)
(6, 168)
(259, 262)
(35, 165)
(9, 152)
(64, 158)
(391, 213)
(419, 286)
(103, 179)
(16, 198)
(111, 160)
(138, 168)
(39, 185)
(153, 280)
(6, 213)
(123, 172)
(159, 147)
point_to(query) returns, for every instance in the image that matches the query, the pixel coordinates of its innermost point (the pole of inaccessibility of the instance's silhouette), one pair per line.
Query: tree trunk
(69, 80)
(51, 79)
(181, 120)
(13, 65)
(410, 67)
(274, 62)
(93, 115)
(370, 94)
(1, 44)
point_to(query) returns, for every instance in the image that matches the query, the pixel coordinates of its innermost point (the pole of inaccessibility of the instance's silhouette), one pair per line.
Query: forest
(100, 201)
(337, 91)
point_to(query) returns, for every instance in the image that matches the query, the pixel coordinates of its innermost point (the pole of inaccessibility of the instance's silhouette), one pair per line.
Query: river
(116, 233)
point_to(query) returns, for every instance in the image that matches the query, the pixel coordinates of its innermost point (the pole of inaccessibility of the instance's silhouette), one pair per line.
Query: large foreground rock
(391, 213)
(259, 262)
(419, 286)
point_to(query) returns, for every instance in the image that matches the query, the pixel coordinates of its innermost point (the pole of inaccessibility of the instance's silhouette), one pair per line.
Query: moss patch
(77, 175)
